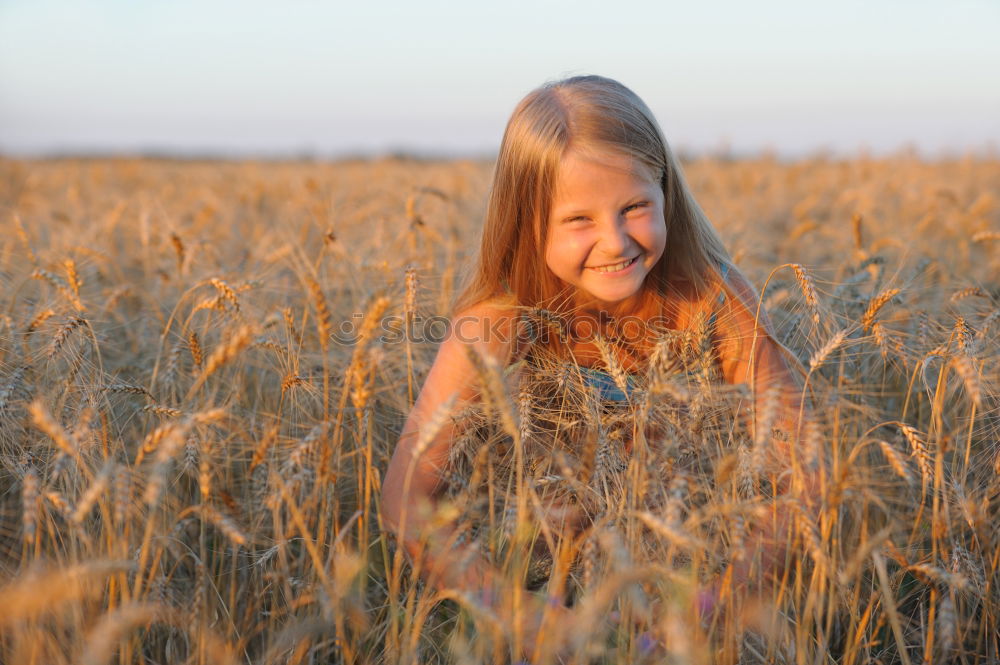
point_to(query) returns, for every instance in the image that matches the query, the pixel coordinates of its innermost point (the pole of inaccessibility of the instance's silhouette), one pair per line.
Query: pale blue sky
(245, 78)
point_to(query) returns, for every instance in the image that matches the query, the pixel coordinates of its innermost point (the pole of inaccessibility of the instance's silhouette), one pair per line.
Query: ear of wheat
(492, 389)
(194, 346)
(239, 340)
(614, 367)
(822, 353)
(875, 305)
(323, 325)
(178, 245)
(226, 292)
(966, 369)
(808, 289)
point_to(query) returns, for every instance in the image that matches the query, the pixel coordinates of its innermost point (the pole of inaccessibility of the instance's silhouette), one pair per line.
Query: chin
(614, 298)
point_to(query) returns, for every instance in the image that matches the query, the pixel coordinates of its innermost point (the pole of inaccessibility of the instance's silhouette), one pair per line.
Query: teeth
(615, 268)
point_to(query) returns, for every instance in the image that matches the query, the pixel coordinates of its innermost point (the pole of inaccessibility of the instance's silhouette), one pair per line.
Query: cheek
(661, 231)
(554, 253)
(654, 238)
(563, 249)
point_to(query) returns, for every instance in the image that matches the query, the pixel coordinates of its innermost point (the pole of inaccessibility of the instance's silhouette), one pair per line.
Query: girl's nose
(614, 239)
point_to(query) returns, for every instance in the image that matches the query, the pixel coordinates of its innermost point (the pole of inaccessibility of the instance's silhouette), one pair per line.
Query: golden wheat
(251, 534)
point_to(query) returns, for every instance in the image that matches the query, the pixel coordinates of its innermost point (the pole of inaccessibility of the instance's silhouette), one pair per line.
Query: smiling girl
(590, 221)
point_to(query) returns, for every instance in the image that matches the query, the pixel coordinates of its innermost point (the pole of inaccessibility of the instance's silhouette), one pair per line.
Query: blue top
(602, 381)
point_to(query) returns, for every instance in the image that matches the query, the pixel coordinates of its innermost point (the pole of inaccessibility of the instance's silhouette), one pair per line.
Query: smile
(615, 267)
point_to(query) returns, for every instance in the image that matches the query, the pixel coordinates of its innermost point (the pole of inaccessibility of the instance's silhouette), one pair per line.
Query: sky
(249, 78)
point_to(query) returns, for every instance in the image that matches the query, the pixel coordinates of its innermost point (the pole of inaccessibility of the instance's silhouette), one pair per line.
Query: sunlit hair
(594, 114)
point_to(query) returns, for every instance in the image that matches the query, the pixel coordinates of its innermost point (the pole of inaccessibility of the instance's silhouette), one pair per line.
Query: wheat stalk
(29, 504)
(93, 493)
(44, 421)
(58, 502)
(74, 282)
(59, 283)
(194, 346)
(226, 524)
(222, 355)
(492, 389)
(11, 388)
(944, 579)
(122, 493)
(672, 533)
(967, 370)
(808, 288)
(293, 332)
(103, 639)
(614, 367)
(204, 468)
(882, 339)
(361, 390)
(23, 236)
(38, 591)
(874, 305)
(211, 303)
(923, 457)
(968, 292)
(766, 418)
(822, 353)
(39, 319)
(809, 534)
(947, 627)
(178, 245)
(63, 333)
(323, 325)
(173, 439)
(160, 410)
(410, 300)
(963, 335)
(266, 441)
(524, 400)
(226, 292)
(895, 460)
(128, 388)
(152, 441)
(985, 236)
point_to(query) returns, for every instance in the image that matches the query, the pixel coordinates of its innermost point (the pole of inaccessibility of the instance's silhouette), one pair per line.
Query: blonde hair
(594, 113)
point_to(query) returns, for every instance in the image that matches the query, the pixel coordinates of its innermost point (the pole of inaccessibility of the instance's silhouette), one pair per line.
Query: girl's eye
(634, 206)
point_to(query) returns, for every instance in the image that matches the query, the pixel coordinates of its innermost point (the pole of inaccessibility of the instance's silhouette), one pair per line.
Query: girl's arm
(749, 354)
(413, 478)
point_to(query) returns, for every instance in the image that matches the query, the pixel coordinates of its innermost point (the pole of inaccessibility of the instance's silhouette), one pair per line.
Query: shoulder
(726, 293)
(488, 327)
(485, 329)
(744, 334)
(736, 285)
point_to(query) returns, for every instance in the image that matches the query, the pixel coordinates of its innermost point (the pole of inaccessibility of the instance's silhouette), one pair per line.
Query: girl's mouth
(616, 267)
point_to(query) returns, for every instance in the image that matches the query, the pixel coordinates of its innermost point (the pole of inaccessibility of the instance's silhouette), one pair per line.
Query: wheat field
(199, 398)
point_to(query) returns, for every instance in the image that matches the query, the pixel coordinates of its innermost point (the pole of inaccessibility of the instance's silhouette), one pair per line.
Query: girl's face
(606, 227)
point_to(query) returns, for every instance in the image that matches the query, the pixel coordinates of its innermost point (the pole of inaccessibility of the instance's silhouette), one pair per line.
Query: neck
(636, 305)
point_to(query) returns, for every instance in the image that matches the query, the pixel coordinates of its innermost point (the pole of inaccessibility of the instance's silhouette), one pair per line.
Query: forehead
(583, 172)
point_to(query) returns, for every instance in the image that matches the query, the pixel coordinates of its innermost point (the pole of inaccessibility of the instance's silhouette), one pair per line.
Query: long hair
(593, 113)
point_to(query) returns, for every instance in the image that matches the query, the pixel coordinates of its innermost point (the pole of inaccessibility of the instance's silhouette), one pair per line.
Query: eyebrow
(632, 200)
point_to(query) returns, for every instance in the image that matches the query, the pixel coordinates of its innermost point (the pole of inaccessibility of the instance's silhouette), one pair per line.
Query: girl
(590, 222)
